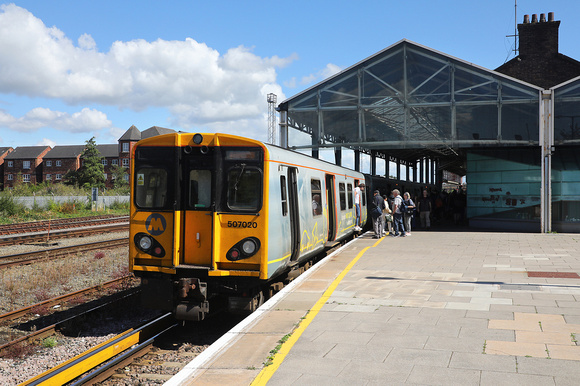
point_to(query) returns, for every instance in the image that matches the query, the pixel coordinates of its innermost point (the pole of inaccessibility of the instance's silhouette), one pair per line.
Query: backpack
(403, 206)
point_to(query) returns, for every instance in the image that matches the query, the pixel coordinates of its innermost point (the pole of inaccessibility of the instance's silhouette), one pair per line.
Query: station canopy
(410, 102)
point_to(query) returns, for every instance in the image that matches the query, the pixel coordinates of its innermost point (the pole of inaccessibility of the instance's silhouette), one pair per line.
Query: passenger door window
(200, 189)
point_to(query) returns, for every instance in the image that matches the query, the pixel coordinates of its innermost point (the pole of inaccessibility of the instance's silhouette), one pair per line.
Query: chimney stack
(538, 39)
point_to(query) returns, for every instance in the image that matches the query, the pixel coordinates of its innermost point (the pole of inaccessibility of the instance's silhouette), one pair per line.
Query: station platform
(435, 308)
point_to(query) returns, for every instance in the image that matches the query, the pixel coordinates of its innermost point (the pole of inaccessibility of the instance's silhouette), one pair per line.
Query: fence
(44, 201)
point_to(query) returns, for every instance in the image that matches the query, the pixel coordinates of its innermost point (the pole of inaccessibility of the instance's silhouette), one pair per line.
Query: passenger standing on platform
(377, 213)
(424, 207)
(408, 215)
(358, 191)
(397, 215)
(387, 217)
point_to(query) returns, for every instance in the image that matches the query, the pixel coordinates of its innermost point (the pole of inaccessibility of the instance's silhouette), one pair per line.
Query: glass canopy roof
(409, 101)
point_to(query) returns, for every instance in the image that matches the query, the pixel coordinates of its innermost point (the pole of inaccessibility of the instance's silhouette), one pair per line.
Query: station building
(512, 132)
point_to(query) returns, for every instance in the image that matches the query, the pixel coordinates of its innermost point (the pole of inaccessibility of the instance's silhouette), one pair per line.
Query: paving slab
(436, 308)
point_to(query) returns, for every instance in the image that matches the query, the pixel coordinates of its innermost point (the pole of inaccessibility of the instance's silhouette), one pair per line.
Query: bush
(9, 207)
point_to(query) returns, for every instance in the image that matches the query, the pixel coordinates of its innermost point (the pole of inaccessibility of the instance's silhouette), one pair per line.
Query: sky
(71, 70)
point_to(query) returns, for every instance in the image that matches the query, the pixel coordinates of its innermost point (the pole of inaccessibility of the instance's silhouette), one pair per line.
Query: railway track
(64, 298)
(47, 236)
(37, 335)
(53, 253)
(130, 344)
(56, 224)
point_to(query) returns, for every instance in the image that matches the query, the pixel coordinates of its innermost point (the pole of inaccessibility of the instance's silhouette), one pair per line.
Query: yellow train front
(201, 223)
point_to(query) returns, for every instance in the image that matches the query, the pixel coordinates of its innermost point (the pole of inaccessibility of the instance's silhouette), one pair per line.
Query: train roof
(273, 153)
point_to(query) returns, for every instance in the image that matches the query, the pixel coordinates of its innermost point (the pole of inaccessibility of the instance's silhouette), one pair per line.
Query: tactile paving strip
(557, 275)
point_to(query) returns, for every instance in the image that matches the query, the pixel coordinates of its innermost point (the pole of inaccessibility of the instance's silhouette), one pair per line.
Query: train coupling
(192, 303)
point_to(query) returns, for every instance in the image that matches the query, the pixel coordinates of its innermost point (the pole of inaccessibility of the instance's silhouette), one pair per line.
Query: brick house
(126, 143)
(25, 164)
(4, 151)
(110, 154)
(60, 160)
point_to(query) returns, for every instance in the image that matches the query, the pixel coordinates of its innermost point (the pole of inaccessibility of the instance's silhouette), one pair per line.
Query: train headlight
(244, 249)
(145, 243)
(249, 247)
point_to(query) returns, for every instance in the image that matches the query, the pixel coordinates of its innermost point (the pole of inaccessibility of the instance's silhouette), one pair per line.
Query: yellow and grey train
(225, 220)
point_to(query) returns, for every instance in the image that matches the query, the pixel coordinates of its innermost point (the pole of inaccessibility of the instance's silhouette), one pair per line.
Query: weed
(99, 255)
(41, 310)
(42, 295)
(49, 342)
(17, 351)
(484, 347)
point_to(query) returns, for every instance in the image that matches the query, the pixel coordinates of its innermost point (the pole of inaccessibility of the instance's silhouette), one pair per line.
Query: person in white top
(358, 190)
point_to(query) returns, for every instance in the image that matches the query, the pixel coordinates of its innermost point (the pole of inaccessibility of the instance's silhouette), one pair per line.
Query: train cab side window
(316, 201)
(284, 195)
(350, 195)
(244, 188)
(151, 188)
(200, 189)
(342, 196)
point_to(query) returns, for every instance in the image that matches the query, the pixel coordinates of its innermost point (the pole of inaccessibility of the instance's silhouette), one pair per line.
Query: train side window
(350, 195)
(200, 189)
(316, 200)
(342, 196)
(244, 188)
(284, 195)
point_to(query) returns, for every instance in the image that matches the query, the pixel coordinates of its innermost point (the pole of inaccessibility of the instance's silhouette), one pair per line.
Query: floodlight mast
(271, 98)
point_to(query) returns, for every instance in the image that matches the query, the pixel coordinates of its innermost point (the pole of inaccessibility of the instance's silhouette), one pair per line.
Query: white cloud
(326, 72)
(46, 142)
(86, 120)
(196, 83)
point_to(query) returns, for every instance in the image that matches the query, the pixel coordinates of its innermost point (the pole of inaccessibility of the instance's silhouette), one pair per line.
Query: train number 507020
(242, 224)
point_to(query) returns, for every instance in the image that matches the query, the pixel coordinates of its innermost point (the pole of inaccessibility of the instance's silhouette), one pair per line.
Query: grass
(30, 284)
(13, 212)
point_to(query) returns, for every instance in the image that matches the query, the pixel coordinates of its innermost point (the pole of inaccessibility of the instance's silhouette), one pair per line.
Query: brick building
(60, 160)
(24, 164)
(4, 151)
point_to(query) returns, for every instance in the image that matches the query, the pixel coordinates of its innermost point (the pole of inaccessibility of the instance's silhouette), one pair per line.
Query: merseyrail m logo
(155, 224)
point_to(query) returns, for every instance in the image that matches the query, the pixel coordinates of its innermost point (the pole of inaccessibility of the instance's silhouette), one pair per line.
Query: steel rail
(35, 226)
(36, 336)
(50, 302)
(53, 253)
(44, 236)
(104, 372)
(82, 363)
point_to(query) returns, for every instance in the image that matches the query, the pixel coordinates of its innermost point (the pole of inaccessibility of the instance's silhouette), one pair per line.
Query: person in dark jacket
(377, 207)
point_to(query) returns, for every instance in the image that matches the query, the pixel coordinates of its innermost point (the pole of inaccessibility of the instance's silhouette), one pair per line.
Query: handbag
(388, 217)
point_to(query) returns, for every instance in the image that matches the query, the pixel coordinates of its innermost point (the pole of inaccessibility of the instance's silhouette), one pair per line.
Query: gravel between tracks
(26, 285)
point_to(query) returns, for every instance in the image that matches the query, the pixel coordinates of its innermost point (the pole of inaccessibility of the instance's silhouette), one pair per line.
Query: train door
(294, 212)
(197, 193)
(331, 213)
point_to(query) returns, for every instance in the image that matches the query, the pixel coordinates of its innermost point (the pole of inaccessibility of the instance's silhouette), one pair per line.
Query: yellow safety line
(268, 371)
